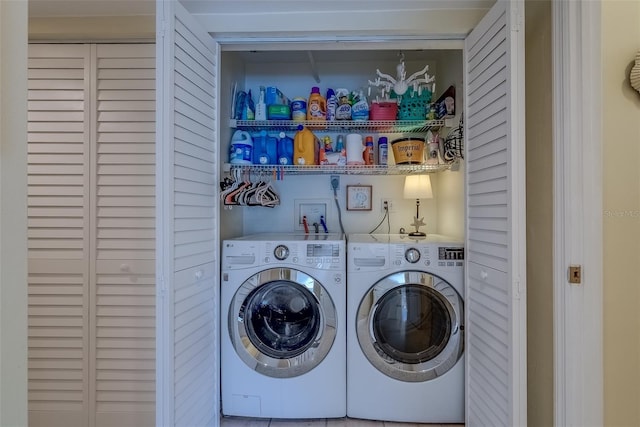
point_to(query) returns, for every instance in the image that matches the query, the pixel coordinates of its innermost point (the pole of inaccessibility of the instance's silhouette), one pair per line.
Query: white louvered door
(123, 214)
(92, 235)
(188, 384)
(495, 274)
(58, 234)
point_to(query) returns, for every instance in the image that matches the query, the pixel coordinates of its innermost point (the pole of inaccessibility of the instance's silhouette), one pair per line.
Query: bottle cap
(315, 89)
(382, 140)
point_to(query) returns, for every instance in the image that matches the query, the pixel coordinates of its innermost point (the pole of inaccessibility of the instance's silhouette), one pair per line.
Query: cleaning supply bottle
(249, 111)
(299, 109)
(332, 104)
(340, 143)
(368, 151)
(316, 106)
(340, 148)
(285, 149)
(241, 149)
(304, 147)
(265, 149)
(322, 154)
(261, 106)
(383, 147)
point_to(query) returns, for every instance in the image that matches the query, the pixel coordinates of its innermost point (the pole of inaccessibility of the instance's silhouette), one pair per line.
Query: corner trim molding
(577, 142)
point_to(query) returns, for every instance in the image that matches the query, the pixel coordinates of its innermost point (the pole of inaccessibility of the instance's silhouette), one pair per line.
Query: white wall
(621, 216)
(13, 213)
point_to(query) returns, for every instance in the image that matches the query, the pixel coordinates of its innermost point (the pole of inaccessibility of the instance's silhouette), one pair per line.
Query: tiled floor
(333, 422)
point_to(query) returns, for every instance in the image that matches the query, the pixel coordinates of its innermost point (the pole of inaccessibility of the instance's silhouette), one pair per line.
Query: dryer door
(282, 322)
(410, 326)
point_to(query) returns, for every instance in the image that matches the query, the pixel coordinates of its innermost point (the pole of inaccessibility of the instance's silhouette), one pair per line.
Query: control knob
(281, 252)
(412, 255)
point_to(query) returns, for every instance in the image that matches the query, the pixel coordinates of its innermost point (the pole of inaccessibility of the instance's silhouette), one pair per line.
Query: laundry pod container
(408, 151)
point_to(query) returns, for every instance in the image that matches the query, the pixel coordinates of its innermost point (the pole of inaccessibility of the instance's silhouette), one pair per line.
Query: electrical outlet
(335, 182)
(389, 203)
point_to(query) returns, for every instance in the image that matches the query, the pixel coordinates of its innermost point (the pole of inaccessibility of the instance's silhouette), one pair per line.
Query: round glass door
(282, 322)
(409, 326)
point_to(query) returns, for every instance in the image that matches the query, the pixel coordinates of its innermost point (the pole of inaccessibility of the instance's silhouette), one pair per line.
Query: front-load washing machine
(405, 328)
(283, 337)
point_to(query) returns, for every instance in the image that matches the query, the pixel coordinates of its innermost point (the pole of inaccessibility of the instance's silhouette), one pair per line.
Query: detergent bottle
(332, 104)
(265, 149)
(316, 106)
(304, 147)
(241, 149)
(285, 149)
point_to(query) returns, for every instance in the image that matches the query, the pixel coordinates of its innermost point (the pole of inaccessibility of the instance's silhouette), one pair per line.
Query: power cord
(335, 182)
(387, 217)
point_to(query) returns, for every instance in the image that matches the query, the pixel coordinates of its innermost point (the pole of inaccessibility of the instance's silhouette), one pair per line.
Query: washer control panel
(325, 255)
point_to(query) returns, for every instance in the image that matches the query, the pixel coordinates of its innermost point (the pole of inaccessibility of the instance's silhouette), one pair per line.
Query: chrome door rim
(411, 372)
(282, 367)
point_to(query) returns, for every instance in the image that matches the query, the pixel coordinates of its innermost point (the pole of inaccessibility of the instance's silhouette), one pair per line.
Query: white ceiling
(77, 8)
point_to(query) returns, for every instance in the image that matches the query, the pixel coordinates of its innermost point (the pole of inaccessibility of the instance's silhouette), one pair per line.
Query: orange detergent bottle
(316, 106)
(305, 147)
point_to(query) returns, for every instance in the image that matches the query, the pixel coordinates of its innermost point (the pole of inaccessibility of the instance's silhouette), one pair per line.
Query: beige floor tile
(353, 422)
(243, 422)
(298, 423)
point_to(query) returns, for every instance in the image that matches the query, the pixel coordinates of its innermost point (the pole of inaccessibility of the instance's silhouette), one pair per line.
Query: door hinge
(516, 287)
(575, 274)
(163, 28)
(516, 21)
(162, 287)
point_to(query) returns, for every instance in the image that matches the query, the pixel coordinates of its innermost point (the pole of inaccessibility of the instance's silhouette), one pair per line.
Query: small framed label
(359, 197)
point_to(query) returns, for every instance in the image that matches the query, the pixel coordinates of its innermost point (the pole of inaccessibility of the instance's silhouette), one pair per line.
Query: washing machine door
(410, 326)
(282, 322)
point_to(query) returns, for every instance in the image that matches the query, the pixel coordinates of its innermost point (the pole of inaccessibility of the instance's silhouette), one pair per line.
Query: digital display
(323, 250)
(450, 253)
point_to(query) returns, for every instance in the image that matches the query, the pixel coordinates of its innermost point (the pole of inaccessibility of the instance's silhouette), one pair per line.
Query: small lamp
(417, 187)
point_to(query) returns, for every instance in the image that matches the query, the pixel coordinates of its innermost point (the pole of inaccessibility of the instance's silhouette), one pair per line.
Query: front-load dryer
(405, 359)
(283, 337)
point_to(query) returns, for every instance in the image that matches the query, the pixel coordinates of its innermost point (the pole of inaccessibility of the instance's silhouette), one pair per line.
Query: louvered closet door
(58, 235)
(495, 290)
(92, 235)
(188, 389)
(123, 294)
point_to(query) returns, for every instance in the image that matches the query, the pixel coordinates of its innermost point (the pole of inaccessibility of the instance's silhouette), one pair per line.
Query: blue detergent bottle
(265, 149)
(285, 149)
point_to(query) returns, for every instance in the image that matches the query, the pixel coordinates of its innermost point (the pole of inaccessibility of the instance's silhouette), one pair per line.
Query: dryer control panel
(450, 257)
(427, 255)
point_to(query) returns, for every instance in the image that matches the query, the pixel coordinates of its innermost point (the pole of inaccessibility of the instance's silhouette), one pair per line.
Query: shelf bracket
(314, 69)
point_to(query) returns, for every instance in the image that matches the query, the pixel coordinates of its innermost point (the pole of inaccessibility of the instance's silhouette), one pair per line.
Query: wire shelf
(343, 170)
(390, 126)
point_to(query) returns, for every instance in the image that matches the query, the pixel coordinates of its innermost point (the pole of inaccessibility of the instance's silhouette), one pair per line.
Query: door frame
(577, 221)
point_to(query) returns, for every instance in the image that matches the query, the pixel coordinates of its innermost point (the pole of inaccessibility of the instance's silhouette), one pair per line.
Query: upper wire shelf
(402, 126)
(344, 170)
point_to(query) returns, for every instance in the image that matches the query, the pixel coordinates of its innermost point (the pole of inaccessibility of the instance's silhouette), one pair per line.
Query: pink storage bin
(387, 110)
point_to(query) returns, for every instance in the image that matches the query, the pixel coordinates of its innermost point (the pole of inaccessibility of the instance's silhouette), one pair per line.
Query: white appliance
(405, 335)
(283, 336)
